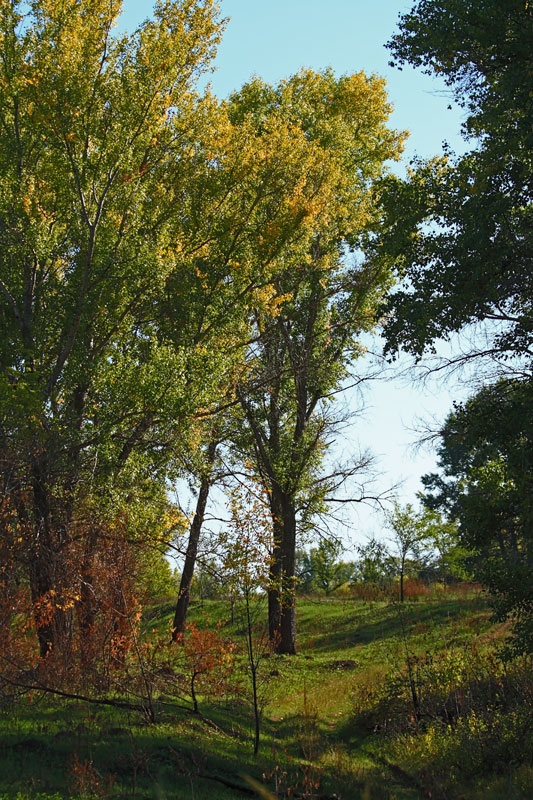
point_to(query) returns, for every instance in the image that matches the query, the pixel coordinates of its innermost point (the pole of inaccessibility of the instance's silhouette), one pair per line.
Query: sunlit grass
(323, 723)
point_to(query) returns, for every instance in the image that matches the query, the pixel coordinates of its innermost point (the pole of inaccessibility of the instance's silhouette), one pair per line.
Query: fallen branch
(102, 701)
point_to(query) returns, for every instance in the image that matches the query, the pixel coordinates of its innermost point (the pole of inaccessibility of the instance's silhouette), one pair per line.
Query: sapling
(248, 548)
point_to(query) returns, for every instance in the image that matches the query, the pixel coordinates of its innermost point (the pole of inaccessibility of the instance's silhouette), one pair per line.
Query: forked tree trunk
(182, 605)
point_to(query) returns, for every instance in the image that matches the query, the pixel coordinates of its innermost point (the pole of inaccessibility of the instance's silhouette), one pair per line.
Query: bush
(472, 716)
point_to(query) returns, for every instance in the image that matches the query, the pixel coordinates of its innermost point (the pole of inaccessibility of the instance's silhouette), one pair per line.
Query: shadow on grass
(174, 758)
(352, 630)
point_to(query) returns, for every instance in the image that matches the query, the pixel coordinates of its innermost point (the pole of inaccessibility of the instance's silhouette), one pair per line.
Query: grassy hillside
(381, 701)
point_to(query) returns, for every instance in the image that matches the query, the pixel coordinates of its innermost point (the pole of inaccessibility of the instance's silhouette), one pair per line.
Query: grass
(338, 717)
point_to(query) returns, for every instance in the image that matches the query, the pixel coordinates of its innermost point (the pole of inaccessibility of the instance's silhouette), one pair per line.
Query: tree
(410, 535)
(300, 357)
(206, 480)
(448, 561)
(83, 134)
(461, 236)
(374, 563)
(461, 239)
(246, 566)
(94, 128)
(320, 568)
(486, 485)
(130, 208)
(209, 467)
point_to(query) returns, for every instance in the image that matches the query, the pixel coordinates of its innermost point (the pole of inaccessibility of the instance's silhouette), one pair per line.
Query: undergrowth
(379, 702)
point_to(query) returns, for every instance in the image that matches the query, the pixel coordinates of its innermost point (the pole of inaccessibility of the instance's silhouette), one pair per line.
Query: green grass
(336, 718)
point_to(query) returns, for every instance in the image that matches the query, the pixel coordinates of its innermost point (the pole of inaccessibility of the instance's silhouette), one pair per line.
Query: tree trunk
(281, 605)
(182, 605)
(53, 619)
(53, 622)
(86, 607)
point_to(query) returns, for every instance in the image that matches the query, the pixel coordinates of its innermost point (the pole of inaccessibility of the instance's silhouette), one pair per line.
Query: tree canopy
(462, 225)
(485, 457)
(460, 240)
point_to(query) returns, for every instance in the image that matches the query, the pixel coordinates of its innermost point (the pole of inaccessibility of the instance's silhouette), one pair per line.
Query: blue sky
(275, 39)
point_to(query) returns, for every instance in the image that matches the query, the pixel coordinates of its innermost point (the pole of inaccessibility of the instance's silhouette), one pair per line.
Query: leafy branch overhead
(461, 233)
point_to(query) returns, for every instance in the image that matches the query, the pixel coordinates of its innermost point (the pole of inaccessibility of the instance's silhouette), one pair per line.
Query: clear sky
(275, 39)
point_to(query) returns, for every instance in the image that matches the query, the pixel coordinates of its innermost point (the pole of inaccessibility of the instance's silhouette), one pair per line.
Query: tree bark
(48, 574)
(281, 603)
(86, 607)
(182, 605)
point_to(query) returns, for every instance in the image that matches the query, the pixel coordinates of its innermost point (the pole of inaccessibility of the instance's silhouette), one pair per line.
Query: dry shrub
(200, 664)
(108, 607)
(367, 590)
(17, 613)
(209, 662)
(86, 783)
(96, 602)
(416, 589)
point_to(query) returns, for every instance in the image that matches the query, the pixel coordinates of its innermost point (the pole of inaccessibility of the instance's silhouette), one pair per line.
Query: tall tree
(462, 239)
(87, 120)
(301, 353)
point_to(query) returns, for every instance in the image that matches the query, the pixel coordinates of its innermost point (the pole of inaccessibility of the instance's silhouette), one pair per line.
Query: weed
(86, 783)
